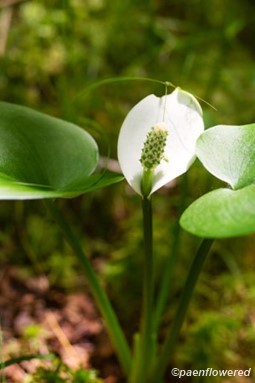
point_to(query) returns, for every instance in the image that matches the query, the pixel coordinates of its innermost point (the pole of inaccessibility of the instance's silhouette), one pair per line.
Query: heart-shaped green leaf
(222, 213)
(45, 157)
(228, 152)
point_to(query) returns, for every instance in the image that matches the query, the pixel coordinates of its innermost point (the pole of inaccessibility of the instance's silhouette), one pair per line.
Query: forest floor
(38, 319)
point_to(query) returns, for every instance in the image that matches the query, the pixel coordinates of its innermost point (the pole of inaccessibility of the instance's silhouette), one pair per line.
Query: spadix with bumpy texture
(159, 135)
(154, 146)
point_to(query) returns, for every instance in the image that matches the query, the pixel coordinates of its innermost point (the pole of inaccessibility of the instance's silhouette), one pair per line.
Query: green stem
(113, 80)
(147, 183)
(111, 321)
(20, 359)
(196, 267)
(146, 341)
(169, 266)
(148, 281)
(166, 279)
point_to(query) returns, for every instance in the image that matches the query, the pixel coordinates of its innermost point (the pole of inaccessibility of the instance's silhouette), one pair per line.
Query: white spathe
(182, 114)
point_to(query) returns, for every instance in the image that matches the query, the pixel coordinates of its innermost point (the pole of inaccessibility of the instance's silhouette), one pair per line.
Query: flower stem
(111, 321)
(146, 184)
(148, 282)
(144, 353)
(165, 285)
(196, 267)
(166, 279)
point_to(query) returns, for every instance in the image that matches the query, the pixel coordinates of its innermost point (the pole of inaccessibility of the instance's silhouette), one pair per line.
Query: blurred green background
(50, 52)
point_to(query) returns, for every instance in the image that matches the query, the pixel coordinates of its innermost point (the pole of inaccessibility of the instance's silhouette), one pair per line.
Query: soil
(38, 319)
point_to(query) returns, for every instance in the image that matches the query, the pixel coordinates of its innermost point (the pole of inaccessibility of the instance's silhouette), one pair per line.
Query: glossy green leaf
(221, 213)
(45, 157)
(228, 152)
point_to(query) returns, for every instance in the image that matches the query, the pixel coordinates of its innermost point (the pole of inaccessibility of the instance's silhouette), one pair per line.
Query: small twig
(5, 23)
(9, 3)
(60, 335)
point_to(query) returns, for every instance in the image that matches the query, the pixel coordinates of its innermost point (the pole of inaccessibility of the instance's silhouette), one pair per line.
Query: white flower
(157, 140)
